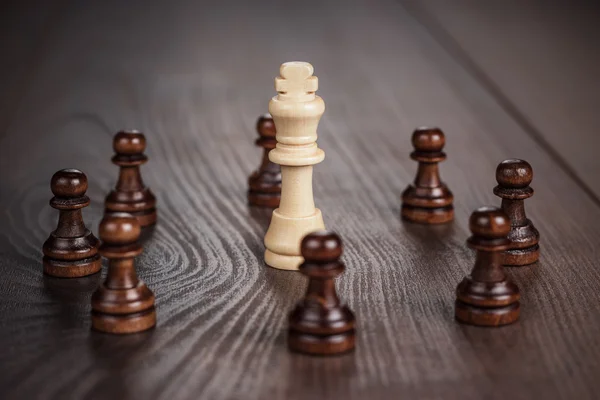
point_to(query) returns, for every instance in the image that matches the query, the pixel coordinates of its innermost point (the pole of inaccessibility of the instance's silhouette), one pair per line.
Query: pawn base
(486, 316)
(264, 186)
(144, 217)
(72, 269)
(321, 345)
(430, 216)
(121, 324)
(264, 199)
(521, 257)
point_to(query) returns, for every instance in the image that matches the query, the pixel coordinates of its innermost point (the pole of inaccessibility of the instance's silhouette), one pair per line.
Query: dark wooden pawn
(320, 324)
(514, 177)
(428, 200)
(487, 297)
(71, 251)
(265, 183)
(131, 195)
(123, 303)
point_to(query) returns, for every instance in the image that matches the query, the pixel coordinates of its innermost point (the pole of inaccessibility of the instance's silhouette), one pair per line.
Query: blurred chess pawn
(487, 297)
(123, 303)
(320, 324)
(428, 200)
(71, 251)
(265, 183)
(131, 195)
(514, 177)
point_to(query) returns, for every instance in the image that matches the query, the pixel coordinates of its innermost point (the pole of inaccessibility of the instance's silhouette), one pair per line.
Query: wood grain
(538, 61)
(179, 72)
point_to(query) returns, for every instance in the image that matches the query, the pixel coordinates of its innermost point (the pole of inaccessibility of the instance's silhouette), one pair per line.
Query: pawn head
(426, 139)
(119, 229)
(266, 126)
(514, 173)
(321, 246)
(489, 223)
(129, 142)
(69, 183)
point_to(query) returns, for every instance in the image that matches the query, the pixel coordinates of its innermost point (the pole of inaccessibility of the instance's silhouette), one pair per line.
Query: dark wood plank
(25, 27)
(539, 60)
(194, 77)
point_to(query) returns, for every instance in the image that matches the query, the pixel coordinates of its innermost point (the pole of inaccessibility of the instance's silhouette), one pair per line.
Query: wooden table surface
(194, 76)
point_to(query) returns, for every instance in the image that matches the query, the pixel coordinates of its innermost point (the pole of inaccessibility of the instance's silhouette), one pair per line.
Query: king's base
(284, 236)
(486, 316)
(321, 345)
(121, 324)
(282, 261)
(521, 257)
(72, 268)
(422, 215)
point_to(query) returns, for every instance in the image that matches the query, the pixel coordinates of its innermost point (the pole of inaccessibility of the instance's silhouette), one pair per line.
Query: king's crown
(296, 81)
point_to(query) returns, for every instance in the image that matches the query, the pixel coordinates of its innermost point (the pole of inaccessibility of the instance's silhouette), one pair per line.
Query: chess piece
(428, 200)
(296, 111)
(319, 324)
(487, 297)
(71, 251)
(265, 183)
(514, 177)
(123, 303)
(130, 194)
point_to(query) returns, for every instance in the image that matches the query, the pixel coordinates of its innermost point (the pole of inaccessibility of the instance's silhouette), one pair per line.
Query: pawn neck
(70, 224)
(121, 274)
(488, 267)
(130, 179)
(268, 165)
(428, 175)
(322, 291)
(516, 209)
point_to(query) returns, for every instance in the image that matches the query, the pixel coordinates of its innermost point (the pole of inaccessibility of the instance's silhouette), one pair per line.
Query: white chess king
(296, 111)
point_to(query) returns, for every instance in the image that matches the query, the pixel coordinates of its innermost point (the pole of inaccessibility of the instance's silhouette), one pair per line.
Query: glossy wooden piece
(131, 195)
(320, 324)
(123, 303)
(487, 297)
(428, 200)
(71, 251)
(264, 185)
(514, 177)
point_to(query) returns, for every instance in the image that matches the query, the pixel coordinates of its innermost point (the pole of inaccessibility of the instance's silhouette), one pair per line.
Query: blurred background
(70, 68)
